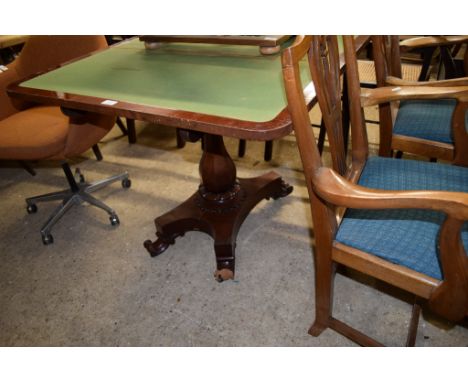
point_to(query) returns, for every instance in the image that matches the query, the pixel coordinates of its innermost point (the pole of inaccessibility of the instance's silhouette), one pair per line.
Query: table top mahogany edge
(252, 130)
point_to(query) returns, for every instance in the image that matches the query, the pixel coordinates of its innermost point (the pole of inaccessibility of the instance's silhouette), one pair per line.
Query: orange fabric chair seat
(35, 133)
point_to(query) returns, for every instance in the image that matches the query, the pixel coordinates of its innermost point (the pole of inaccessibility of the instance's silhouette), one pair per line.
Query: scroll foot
(284, 190)
(157, 247)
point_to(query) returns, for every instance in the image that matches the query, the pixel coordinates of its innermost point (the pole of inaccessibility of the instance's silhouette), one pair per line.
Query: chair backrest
(42, 53)
(387, 62)
(323, 57)
(386, 53)
(324, 64)
(309, 152)
(326, 76)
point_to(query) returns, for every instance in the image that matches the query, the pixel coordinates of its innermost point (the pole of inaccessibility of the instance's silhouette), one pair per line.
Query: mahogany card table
(207, 90)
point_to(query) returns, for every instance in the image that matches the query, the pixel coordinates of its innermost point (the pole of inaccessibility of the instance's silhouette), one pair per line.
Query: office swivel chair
(34, 132)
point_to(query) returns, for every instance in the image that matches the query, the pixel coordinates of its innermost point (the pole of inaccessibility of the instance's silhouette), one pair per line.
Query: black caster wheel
(114, 220)
(31, 208)
(126, 183)
(47, 239)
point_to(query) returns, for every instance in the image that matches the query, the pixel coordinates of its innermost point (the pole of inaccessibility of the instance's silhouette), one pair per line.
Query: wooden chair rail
(414, 282)
(424, 147)
(395, 81)
(370, 97)
(428, 41)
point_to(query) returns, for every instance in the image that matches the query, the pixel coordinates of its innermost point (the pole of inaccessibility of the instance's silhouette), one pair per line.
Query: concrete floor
(97, 285)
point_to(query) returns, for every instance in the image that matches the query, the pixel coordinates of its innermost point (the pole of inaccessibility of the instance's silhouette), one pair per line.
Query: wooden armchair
(399, 221)
(423, 127)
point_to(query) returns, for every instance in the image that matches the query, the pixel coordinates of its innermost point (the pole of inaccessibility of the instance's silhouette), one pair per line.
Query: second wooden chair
(428, 128)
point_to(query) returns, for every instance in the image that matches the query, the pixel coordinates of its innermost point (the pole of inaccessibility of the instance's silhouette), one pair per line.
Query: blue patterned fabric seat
(426, 119)
(406, 237)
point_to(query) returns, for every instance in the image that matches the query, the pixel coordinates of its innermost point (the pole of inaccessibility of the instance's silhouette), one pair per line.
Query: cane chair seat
(367, 75)
(404, 237)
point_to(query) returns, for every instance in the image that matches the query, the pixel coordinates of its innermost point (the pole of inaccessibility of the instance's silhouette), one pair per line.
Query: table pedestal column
(218, 207)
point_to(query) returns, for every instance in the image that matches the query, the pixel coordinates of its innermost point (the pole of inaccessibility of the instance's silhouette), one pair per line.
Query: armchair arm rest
(8, 76)
(428, 41)
(338, 191)
(450, 297)
(395, 81)
(370, 97)
(8, 106)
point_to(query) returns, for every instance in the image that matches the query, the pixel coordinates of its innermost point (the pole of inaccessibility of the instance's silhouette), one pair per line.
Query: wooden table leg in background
(218, 207)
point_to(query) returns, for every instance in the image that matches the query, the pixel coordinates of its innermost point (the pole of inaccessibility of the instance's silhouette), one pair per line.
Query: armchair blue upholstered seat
(426, 119)
(403, 237)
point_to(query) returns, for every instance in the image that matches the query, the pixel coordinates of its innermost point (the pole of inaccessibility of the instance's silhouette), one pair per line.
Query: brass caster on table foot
(223, 275)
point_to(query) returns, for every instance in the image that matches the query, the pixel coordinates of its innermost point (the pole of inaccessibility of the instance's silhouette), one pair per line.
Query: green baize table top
(221, 80)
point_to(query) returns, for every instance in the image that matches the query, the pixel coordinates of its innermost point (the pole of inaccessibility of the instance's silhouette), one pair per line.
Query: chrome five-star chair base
(78, 193)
